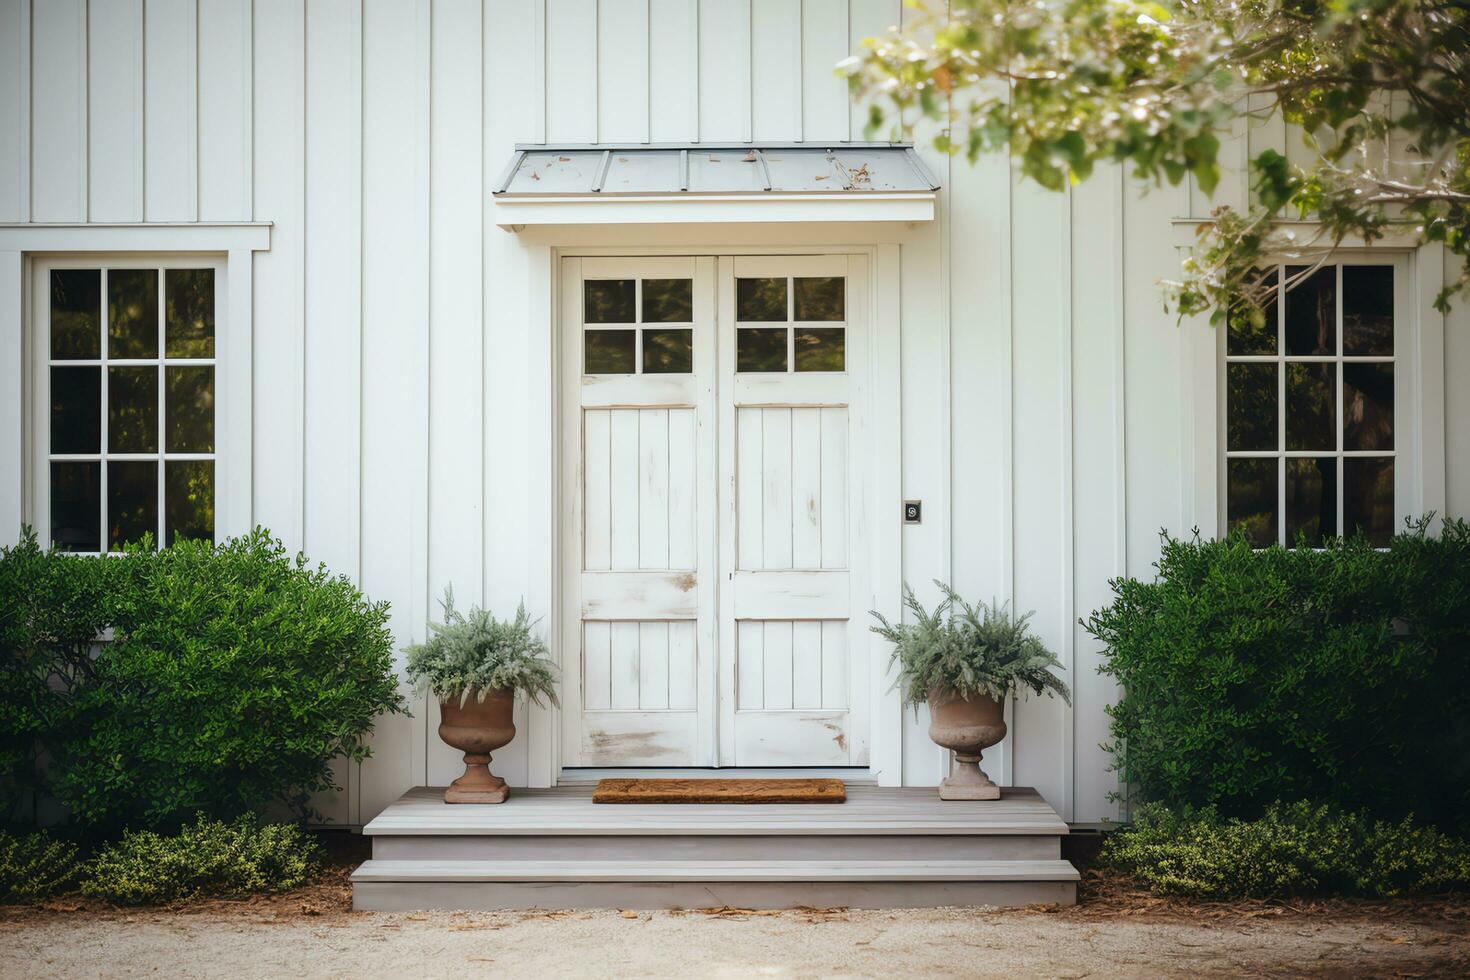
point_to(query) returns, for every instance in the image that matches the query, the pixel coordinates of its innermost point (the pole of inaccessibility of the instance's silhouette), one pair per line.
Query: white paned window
(790, 323)
(1312, 433)
(126, 400)
(638, 326)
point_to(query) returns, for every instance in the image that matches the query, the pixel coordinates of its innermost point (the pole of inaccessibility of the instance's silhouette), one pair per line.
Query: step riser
(718, 848)
(402, 896)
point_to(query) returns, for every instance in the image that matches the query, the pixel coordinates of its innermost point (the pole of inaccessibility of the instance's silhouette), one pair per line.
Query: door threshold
(851, 775)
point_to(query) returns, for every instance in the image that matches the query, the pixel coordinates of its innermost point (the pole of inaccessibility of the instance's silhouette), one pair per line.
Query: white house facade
(607, 306)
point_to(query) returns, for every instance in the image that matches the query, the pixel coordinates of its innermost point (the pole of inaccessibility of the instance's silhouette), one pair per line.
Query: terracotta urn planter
(969, 726)
(477, 728)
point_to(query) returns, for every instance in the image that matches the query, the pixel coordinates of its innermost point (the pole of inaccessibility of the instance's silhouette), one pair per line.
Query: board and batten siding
(1048, 417)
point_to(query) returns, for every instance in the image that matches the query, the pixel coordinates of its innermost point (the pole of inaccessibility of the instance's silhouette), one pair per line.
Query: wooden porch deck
(554, 848)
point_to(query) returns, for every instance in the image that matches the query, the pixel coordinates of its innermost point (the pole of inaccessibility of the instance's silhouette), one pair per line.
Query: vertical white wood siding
(1048, 415)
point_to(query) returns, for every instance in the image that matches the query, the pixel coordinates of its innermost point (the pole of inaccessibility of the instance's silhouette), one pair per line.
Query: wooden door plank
(683, 666)
(653, 666)
(597, 489)
(749, 665)
(625, 671)
(747, 477)
(834, 487)
(623, 458)
(683, 461)
(776, 488)
(777, 674)
(653, 494)
(806, 487)
(806, 665)
(597, 665)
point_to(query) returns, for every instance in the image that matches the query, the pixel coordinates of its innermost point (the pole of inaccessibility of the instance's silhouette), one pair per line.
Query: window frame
(39, 456)
(1407, 400)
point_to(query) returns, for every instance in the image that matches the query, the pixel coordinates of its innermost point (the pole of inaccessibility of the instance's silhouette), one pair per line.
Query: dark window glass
(76, 502)
(760, 300)
(668, 300)
(821, 348)
(609, 301)
(76, 314)
(1367, 406)
(132, 501)
(1311, 406)
(609, 351)
(668, 351)
(189, 313)
(1251, 498)
(819, 298)
(132, 313)
(1367, 309)
(1253, 331)
(76, 407)
(132, 410)
(1367, 497)
(188, 409)
(188, 492)
(760, 349)
(1251, 403)
(1311, 500)
(1311, 312)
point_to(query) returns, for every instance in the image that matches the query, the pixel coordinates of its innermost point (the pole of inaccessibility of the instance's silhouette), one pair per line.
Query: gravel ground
(314, 940)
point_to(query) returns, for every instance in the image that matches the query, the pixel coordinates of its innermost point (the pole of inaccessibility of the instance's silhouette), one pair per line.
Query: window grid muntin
(637, 325)
(104, 363)
(1281, 454)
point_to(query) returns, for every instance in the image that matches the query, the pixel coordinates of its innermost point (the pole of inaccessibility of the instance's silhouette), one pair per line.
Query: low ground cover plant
(1339, 674)
(207, 857)
(34, 866)
(233, 676)
(1290, 850)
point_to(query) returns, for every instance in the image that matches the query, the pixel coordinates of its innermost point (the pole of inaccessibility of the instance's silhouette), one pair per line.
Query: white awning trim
(726, 182)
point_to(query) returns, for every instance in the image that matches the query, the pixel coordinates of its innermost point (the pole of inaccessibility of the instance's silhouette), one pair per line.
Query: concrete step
(395, 885)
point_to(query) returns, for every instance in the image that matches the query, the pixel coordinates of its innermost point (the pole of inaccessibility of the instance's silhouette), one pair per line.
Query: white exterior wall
(1053, 417)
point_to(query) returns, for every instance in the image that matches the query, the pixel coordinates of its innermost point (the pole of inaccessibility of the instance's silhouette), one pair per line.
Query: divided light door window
(126, 401)
(1315, 407)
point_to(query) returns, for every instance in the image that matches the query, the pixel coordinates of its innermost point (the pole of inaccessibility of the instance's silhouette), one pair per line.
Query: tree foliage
(1380, 89)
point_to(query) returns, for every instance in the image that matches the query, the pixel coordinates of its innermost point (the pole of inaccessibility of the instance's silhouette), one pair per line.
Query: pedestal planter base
(968, 726)
(477, 728)
(968, 782)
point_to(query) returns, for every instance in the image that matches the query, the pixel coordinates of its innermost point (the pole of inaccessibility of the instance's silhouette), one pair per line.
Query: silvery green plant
(475, 653)
(963, 650)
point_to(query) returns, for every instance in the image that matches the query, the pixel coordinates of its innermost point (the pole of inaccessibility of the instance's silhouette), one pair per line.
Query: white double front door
(716, 482)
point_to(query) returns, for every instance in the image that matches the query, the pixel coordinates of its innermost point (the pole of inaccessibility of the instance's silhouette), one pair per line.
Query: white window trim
(23, 245)
(1419, 471)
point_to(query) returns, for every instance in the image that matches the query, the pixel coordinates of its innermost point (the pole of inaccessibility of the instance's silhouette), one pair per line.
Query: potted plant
(475, 665)
(964, 660)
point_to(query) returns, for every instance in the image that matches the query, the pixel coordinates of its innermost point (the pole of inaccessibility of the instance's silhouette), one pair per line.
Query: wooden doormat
(719, 791)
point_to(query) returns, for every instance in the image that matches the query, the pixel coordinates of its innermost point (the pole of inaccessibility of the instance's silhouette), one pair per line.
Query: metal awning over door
(713, 182)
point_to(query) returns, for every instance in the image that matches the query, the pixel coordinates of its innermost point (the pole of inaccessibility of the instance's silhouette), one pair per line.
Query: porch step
(554, 848)
(387, 885)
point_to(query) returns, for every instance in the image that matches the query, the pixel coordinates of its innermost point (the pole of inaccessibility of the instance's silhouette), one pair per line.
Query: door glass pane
(189, 314)
(132, 313)
(188, 406)
(1367, 309)
(819, 298)
(1251, 498)
(760, 349)
(76, 405)
(76, 313)
(76, 515)
(1367, 497)
(188, 493)
(609, 301)
(609, 351)
(1367, 406)
(1311, 500)
(132, 410)
(1311, 406)
(668, 300)
(668, 351)
(821, 348)
(1252, 331)
(132, 501)
(1251, 403)
(1311, 312)
(760, 300)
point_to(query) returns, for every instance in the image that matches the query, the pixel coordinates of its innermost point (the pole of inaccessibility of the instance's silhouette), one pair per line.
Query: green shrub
(35, 866)
(1340, 674)
(1297, 849)
(235, 676)
(52, 606)
(207, 857)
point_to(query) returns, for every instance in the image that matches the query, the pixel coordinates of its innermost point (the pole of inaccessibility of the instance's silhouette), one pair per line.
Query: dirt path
(267, 940)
